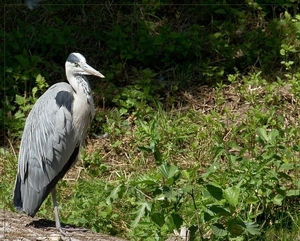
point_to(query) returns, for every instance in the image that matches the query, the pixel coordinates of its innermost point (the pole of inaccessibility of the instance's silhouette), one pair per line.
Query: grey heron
(54, 131)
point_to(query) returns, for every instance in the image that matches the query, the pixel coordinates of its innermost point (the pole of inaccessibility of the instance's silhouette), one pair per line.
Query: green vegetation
(200, 105)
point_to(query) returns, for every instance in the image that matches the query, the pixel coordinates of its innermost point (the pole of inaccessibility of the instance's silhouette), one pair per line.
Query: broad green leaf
(213, 168)
(278, 199)
(252, 200)
(273, 134)
(231, 194)
(263, 134)
(186, 174)
(284, 175)
(168, 171)
(177, 221)
(220, 210)
(169, 193)
(218, 230)
(216, 192)
(158, 218)
(236, 227)
(293, 192)
(145, 179)
(208, 216)
(286, 167)
(252, 228)
(123, 110)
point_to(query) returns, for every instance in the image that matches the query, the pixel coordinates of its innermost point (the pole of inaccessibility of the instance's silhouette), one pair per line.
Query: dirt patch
(14, 226)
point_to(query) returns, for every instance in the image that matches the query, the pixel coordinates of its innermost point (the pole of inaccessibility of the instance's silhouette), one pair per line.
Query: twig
(197, 215)
(12, 147)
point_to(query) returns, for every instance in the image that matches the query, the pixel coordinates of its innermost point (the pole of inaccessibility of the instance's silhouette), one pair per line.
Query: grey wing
(48, 147)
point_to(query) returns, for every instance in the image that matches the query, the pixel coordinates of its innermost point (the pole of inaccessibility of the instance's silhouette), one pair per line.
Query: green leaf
(188, 189)
(34, 90)
(293, 192)
(19, 115)
(236, 227)
(218, 230)
(286, 167)
(263, 134)
(231, 194)
(22, 60)
(177, 221)
(114, 194)
(216, 192)
(141, 212)
(216, 209)
(146, 180)
(252, 228)
(168, 171)
(123, 110)
(273, 135)
(186, 174)
(213, 168)
(278, 199)
(20, 100)
(158, 218)
(282, 52)
(169, 193)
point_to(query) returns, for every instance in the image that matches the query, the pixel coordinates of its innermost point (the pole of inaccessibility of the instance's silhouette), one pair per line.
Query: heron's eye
(76, 64)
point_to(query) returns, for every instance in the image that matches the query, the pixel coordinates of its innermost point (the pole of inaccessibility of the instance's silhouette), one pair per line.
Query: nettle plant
(254, 182)
(236, 197)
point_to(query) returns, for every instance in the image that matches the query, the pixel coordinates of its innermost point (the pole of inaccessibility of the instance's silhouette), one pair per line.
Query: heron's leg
(57, 222)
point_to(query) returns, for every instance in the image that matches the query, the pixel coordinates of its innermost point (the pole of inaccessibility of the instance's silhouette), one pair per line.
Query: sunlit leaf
(263, 134)
(168, 171)
(278, 199)
(252, 228)
(231, 194)
(293, 192)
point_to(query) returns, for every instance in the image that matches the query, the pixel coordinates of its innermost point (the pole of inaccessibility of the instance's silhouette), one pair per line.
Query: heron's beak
(91, 71)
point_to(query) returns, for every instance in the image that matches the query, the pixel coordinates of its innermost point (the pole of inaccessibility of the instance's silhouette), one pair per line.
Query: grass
(224, 163)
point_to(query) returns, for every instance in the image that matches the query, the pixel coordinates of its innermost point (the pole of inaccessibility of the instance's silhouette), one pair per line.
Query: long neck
(82, 89)
(80, 84)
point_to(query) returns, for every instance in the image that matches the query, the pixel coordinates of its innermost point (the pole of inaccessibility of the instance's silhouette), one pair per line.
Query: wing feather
(47, 147)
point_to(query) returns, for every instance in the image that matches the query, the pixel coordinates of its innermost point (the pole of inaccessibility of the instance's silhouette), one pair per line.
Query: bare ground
(20, 227)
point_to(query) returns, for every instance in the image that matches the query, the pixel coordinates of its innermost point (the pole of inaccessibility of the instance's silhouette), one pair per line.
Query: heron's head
(76, 65)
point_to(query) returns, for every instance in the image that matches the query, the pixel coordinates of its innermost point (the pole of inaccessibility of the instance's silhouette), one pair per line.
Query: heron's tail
(17, 199)
(21, 199)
